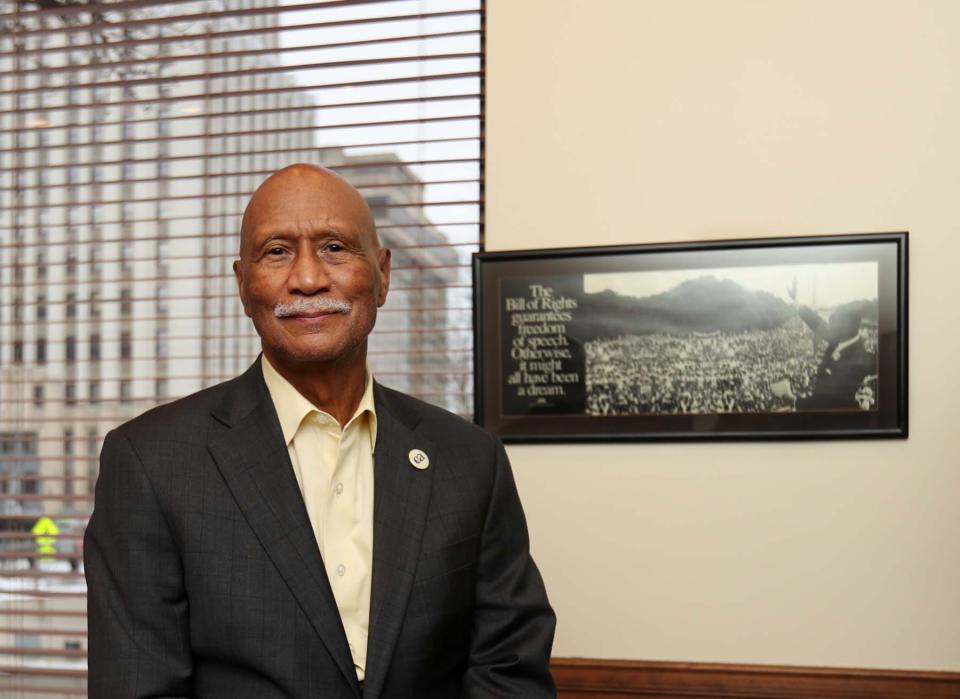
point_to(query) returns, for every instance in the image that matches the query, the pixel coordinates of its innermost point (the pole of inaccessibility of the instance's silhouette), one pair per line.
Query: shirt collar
(292, 406)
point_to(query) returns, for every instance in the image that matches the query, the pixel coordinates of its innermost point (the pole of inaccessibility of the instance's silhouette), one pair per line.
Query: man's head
(851, 320)
(311, 271)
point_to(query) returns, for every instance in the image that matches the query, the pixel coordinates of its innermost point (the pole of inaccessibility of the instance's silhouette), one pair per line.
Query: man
(846, 367)
(302, 531)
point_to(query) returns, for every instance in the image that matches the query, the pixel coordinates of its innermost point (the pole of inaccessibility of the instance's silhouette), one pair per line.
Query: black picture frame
(690, 341)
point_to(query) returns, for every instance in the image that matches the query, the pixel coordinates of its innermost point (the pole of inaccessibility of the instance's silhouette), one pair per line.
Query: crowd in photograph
(697, 373)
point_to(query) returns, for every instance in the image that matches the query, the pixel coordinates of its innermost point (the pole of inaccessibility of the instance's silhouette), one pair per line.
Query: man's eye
(275, 251)
(334, 247)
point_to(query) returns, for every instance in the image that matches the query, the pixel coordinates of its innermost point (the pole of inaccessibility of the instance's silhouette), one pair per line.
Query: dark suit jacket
(205, 579)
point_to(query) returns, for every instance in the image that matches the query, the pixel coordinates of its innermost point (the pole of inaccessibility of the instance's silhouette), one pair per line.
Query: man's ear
(238, 273)
(383, 263)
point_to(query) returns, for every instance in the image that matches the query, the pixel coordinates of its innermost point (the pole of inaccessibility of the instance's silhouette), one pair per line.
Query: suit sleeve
(136, 602)
(513, 623)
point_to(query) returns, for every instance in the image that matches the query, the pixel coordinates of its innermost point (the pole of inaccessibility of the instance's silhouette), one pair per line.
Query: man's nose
(308, 275)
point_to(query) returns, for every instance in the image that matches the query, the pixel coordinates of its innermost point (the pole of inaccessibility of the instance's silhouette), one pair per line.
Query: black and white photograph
(784, 337)
(748, 340)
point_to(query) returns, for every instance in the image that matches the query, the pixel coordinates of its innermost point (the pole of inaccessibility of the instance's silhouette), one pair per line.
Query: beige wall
(640, 121)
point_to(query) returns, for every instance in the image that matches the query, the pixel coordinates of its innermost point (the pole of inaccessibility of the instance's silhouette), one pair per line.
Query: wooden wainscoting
(584, 678)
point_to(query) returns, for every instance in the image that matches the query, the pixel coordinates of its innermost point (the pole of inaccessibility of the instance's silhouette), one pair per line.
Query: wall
(646, 121)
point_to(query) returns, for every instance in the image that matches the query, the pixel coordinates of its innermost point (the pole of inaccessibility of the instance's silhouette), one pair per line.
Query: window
(71, 263)
(93, 441)
(70, 393)
(161, 299)
(68, 465)
(41, 355)
(162, 348)
(126, 302)
(407, 133)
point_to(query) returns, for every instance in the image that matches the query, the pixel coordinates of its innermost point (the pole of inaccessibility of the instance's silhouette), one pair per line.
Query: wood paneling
(611, 679)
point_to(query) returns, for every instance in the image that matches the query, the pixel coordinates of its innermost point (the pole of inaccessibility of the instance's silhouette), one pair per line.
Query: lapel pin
(418, 459)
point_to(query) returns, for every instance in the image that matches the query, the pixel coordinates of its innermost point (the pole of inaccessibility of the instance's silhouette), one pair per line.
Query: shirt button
(339, 488)
(341, 569)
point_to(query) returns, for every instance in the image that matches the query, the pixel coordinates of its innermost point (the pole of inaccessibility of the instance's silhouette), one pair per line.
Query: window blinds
(131, 135)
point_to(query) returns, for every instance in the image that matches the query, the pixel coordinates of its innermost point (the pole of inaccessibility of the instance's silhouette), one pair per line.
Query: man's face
(311, 273)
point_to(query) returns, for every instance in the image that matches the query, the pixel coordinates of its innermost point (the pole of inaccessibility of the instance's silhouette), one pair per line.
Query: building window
(68, 482)
(70, 393)
(126, 302)
(41, 350)
(93, 442)
(94, 304)
(71, 305)
(70, 352)
(124, 390)
(18, 351)
(93, 392)
(126, 345)
(27, 640)
(38, 395)
(126, 258)
(94, 262)
(41, 306)
(95, 347)
(162, 346)
(71, 264)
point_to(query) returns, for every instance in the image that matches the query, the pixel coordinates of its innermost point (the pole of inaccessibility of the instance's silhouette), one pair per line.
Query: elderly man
(302, 531)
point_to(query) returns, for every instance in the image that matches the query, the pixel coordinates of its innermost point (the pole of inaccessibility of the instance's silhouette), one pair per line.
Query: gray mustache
(312, 305)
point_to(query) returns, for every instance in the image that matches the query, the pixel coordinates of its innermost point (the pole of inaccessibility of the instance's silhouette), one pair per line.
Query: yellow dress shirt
(334, 469)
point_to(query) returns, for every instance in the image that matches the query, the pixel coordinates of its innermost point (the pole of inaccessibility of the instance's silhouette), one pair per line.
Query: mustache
(310, 306)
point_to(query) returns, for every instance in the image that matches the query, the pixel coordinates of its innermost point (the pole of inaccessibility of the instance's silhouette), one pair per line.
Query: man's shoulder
(436, 423)
(186, 419)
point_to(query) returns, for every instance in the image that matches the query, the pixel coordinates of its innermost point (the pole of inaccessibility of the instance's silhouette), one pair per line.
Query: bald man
(301, 530)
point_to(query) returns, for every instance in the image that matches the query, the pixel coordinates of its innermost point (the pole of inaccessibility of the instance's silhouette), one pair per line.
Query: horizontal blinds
(131, 135)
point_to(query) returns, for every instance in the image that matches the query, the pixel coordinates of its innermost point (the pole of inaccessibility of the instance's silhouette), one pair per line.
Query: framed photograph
(789, 338)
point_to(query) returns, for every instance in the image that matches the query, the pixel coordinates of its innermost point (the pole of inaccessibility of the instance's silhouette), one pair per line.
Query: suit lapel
(253, 459)
(401, 500)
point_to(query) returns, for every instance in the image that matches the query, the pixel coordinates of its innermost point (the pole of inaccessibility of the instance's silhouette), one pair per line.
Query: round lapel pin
(418, 459)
